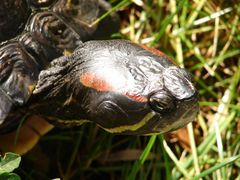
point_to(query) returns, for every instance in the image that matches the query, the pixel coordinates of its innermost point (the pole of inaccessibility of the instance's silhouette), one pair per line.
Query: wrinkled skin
(46, 36)
(122, 87)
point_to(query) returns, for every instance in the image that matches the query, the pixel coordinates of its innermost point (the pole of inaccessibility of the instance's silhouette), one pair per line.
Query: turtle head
(119, 85)
(136, 91)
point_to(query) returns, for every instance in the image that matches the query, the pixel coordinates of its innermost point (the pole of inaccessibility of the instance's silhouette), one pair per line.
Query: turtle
(47, 29)
(123, 87)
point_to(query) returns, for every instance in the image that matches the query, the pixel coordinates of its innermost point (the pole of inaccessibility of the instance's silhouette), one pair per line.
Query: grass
(202, 36)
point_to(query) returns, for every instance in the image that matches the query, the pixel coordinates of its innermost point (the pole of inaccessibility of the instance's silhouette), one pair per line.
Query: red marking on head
(90, 79)
(135, 97)
(157, 52)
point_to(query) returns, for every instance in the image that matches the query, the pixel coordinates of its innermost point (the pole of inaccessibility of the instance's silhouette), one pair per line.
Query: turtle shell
(35, 32)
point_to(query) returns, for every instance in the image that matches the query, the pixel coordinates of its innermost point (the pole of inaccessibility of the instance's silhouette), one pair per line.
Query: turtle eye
(161, 101)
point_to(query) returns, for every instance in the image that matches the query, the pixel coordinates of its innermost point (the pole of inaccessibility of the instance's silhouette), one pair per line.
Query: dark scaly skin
(23, 59)
(47, 36)
(53, 34)
(122, 87)
(18, 75)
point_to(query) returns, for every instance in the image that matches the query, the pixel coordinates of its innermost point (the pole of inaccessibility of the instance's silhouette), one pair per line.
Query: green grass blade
(142, 158)
(216, 167)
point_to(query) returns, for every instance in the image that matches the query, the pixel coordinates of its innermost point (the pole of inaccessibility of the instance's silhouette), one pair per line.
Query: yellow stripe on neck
(132, 127)
(73, 122)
